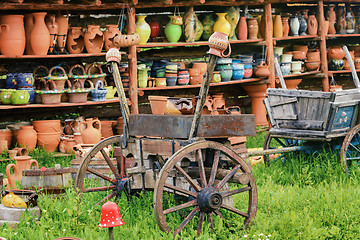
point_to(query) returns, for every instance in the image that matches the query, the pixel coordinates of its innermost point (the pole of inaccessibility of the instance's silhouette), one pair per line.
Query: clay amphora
(341, 22)
(91, 135)
(12, 35)
(143, 29)
(218, 101)
(40, 35)
(107, 128)
(67, 128)
(331, 17)
(75, 41)
(172, 32)
(277, 29)
(208, 24)
(27, 137)
(312, 25)
(109, 34)
(294, 26)
(63, 24)
(285, 26)
(22, 163)
(350, 21)
(218, 43)
(253, 28)
(94, 39)
(53, 29)
(190, 25)
(233, 16)
(29, 24)
(154, 27)
(242, 30)
(222, 25)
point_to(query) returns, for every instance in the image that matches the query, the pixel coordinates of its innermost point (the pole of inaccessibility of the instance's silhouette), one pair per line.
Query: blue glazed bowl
(25, 80)
(226, 74)
(238, 74)
(10, 80)
(171, 81)
(31, 92)
(237, 66)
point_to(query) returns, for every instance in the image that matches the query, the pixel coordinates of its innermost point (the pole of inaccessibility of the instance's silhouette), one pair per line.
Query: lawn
(305, 197)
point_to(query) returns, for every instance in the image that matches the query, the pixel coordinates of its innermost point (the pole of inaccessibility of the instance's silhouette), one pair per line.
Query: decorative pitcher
(218, 43)
(91, 135)
(40, 35)
(190, 25)
(22, 163)
(222, 25)
(172, 32)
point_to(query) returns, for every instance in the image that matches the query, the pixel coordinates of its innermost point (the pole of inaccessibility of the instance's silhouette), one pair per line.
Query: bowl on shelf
(238, 74)
(226, 74)
(299, 55)
(336, 64)
(285, 68)
(171, 81)
(312, 66)
(224, 61)
(285, 58)
(296, 67)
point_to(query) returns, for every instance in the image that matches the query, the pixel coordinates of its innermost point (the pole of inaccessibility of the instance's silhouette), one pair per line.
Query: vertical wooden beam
(133, 91)
(269, 43)
(323, 57)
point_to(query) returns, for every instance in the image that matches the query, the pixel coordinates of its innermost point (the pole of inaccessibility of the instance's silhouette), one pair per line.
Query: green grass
(306, 197)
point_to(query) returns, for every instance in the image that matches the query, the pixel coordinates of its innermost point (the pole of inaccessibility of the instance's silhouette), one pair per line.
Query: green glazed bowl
(20, 97)
(5, 95)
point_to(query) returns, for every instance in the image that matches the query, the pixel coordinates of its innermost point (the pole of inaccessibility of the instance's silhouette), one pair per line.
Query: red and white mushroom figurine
(110, 217)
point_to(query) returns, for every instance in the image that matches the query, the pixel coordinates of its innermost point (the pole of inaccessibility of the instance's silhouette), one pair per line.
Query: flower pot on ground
(27, 137)
(42, 126)
(257, 93)
(49, 140)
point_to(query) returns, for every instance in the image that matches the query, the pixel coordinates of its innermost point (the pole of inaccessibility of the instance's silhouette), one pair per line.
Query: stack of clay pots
(48, 134)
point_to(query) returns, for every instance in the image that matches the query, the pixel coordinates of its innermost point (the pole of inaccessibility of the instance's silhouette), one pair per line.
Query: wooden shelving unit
(194, 44)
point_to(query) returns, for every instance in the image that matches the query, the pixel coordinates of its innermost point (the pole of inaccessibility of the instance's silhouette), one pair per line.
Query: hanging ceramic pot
(199, 30)
(75, 41)
(253, 28)
(341, 22)
(312, 25)
(63, 25)
(12, 35)
(172, 32)
(233, 17)
(277, 29)
(222, 25)
(143, 29)
(285, 26)
(303, 25)
(53, 29)
(27, 137)
(29, 24)
(109, 34)
(294, 25)
(350, 21)
(91, 135)
(155, 27)
(242, 30)
(94, 39)
(331, 17)
(190, 25)
(208, 23)
(40, 35)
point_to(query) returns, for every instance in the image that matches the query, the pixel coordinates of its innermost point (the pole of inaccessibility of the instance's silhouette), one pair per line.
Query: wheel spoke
(222, 217)
(214, 168)
(236, 191)
(353, 158)
(111, 195)
(187, 220)
(111, 165)
(193, 194)
(99, 174)
(181, 206)
(201, 220)
(227, 177)
(234, 210)
(97, 189)
(188, 178)
(200, 161)
(280, 142)
(355, 147)
(210, 220)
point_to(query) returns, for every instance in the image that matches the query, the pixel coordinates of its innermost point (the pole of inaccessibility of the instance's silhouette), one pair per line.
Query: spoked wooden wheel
(350, 149)
(100, 173)
(200, 173)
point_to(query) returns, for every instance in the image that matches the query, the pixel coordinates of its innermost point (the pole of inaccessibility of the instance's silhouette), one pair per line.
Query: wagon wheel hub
(209, 199)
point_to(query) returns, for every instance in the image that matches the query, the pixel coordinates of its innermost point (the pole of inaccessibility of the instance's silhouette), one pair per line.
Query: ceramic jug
(303, 25)
(109, 34)
(233, 17)
(40, 35)
(218, 43)
(75, 41)
(143, 29)
(172, 32)
(91, 135)
(22, 163)
(190, 25)
(12, 35)
(94, 39)
(63, 25)
(155, 27)
(53, 28)
(350, 21)
(222, 25)
(331, 17)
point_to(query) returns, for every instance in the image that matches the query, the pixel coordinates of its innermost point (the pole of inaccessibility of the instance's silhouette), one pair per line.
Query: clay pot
(53, 28)
(313, 56)
(336, 53)
(262, 70)
(158, 104)
(341, 21)
(27, 137)
(303, 48)
(173, 32)
(126, 40)
(346, 65)
(357, 62)
(40, 35)
(154, 27)
(285, 26)
(218, 101)
(312, 66)
(242, 31)
(191, 24)
(292, 83)
(91, 135)
(107, 128)
(299, 55)
(3, 145)
(262, 26)
(94, 39)
(6, 134)
(12, 153)
(29, 24)
(312, 25)
(78, 125)
(63, 25)
(69, 146)
(253, 28)
(196, 79)
(257, 93)
(22, 163)
(331, 17)
(200, 65)
(278, 27)
(75, 41)
(218, 43)
(47, 126)
(109, 34)
(49, 140)
(12, 35)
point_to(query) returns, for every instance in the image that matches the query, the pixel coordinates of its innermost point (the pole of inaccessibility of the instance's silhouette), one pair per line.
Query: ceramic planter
(20, 97)
(285, 68)
(238, 74)
(160, 82)
(226, 74)
(312, 66)
(286, 58)
(6, 95)
(25, 80)
(296, 67)
(336, 64)
(27, 137)
(94, 39)
(216, 77)
(91, 135)
(158, 104)
(75, 41)
(109, 34)
(78, 95)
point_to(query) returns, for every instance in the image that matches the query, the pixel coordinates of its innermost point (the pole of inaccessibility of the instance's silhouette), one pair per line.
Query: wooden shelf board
(342, 35)
(200, 43)
(57, 55)
(297, 37)
(301, 74)
(342, 71)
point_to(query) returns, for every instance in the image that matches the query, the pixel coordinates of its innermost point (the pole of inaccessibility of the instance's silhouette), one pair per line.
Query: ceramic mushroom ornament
(110, 217)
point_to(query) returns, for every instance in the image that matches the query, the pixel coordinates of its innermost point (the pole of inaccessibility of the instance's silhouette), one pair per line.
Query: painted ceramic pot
(222, 25)
(238, 74)
(20, 97)
(218, 43)
(94, 39)
(53, 28)
(226, 74)
(199, 30)
(242, 30)
(10, 81)
(216, 77)
(248, 70)
(40, 35)
(233, 17)
(190, 25)
(12, 35)
(142, 29)
(208, 23)
(29, 24)
(336, 64)
(296, 67)
(155, 28)
(262, 70)
(294, 26)
(63, 25)
(75, 41)
(25, 80)
(303, 25)
(172, 32)
(109, 34)
(350, 21)
(285, 68)
(313, 56)
(5, 95)
(253, 28)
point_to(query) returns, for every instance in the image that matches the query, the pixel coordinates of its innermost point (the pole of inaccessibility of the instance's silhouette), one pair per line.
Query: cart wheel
(203, 187)
(275, 142)
(103, 174)
(350, 149)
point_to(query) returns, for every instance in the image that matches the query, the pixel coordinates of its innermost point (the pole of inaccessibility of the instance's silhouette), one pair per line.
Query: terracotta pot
(158, 104)
(303, 48)
(91, 135)
(292, 83)
(47, 126)
(312, 66)
(346, 65)
(312, 25)
(94, 39)
(257, 93)
(49, 140)
(262, 70)
(53, 28)
(63, 24)
(326, 27)
(75, 41)
(125, 40)
(196, 79)
(12, 153)
(340, 21)
(109, 34)
(107, 128)
(335, 88)
(12, 35)
(154, 27)
(40, 35)
(69, 146)
(218, 43)
(27, 137)
(22, 163)
(200, 65)
(336, 53)
(78, 125)
(299, 55)
(3, 145)
(285, 26)
(242, 30)
(253, 28)
(218, 101)
(313, 56)
(331, 17)
(6, 134)
(277, 27)
(29, 24)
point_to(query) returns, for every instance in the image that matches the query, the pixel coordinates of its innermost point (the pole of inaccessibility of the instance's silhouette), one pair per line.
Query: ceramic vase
(63, 24)
(350, 21)
(143, 29)
(253, 28)
(109, 34)
(233, 17)
(341, 22)
(40, 35)
(172, 32)
(312, 25)
(75, 41)
(303, 25)
(331, 17)
(12, 35)
(262, 26)
(53, 28)
(91, 135)
(29, 24)
(21, 163)
(277, 29)
(155, 28)
(208, 23)
(294, 26)
(199, 30)
(285, 26)
(222, 25)
(27, 137)
(190, 25)
(242, 30)
(94, 39)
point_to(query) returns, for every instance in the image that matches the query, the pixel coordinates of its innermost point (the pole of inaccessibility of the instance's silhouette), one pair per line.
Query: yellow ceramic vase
(222, 25)
(143, 29)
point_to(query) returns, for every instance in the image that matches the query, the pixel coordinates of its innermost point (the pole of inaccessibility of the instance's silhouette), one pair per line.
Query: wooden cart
(185, 157)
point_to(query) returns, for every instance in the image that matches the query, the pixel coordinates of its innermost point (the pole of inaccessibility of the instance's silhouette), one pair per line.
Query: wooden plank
(287, 101)
(286, 117)
(298, 93)
(306, 125)
(133, 83)
(269, 42)
(270, 112)
(160, 147)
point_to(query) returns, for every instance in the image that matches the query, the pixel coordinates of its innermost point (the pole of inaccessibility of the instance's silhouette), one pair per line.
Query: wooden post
(269, 43)
(133, 91)
(323, 57)
(121, 93)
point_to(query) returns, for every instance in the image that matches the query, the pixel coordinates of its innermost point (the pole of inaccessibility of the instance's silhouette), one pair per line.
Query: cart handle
(352, 67)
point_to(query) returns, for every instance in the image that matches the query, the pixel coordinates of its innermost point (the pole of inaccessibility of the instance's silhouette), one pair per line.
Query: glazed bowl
(285, 58)
(226, 74)
(285, 68)
(238, 74)
(336, 64)
(171, 81)
(224, 61)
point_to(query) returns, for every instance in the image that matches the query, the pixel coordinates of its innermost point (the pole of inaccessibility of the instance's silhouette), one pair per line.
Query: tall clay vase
(21, 163)
(154, 27)
(253, 28)
(294, 25)
(262, 26)
(94, 39)
(222, 25)
(190, 25)
(91, 135)
(12, 35)
(172, 32)
(29, 24)
(341, 21)
(257, 93)
(208, 26)
(277, 29)
(75, 41)
(242, 30)
(303, 25)
(312, 25)
(40, 35)
(53, 27)
(109, 34)
(233, 17)
(143, 29)
(27, 137)
(63, 24)
(331, 17)
(285, 26)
